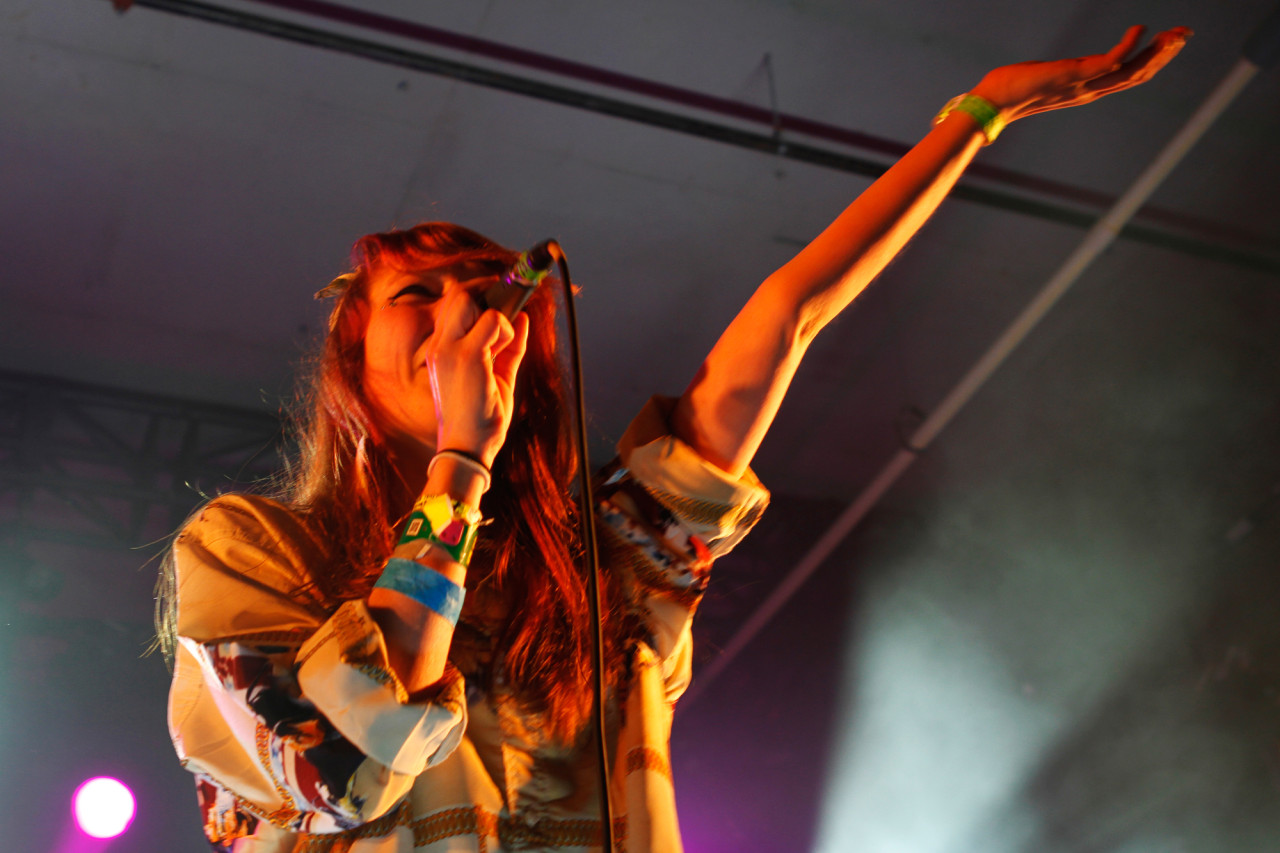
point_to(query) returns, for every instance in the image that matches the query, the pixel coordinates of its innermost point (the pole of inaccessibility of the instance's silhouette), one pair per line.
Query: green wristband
(980, 110)
(447, 524)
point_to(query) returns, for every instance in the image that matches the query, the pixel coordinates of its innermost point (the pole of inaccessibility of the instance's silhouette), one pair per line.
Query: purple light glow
(103, 807)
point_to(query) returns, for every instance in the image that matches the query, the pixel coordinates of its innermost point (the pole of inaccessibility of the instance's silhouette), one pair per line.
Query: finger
(1090, 67)
(1143, 65)
(1163, 48)
(456, 315)
(490, 333)
(1127, 43)
(508, 359)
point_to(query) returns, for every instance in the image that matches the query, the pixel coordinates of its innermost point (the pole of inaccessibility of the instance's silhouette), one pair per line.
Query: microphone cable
(509, 296)
(591, 551)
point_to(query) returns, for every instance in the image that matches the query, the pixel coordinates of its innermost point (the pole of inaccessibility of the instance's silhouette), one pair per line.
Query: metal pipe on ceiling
(1007, 189)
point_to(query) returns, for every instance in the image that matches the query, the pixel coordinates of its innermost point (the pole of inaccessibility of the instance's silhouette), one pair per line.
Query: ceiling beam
(97, 466)
(1001, 188)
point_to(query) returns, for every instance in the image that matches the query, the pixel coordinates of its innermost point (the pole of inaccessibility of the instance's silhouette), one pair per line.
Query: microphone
(510, 293)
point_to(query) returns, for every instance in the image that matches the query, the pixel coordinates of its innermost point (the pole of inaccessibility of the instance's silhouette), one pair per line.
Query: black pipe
(765, 143)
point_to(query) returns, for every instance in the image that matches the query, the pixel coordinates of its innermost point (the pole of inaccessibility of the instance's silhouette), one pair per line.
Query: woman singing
(392, 654)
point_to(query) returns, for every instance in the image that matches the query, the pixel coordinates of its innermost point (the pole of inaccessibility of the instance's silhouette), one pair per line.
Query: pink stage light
(103, 807)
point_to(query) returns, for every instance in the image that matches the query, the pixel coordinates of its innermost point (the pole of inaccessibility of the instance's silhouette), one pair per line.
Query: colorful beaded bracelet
(448, 524)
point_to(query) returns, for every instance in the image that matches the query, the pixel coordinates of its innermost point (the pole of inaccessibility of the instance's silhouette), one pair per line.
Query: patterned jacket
(301, 738)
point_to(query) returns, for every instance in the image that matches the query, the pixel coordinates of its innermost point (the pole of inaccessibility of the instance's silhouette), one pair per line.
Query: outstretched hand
(1028, 88)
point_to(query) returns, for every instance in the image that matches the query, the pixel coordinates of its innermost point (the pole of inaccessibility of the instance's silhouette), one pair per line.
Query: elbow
(811, 317)
(800, 324)
(801, 315)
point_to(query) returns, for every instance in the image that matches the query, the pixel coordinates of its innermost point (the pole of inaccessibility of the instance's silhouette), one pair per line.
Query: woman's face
(403, 309)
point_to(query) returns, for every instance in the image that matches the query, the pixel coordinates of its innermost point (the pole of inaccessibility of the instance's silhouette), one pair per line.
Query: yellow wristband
(980, 110)
(448, 524)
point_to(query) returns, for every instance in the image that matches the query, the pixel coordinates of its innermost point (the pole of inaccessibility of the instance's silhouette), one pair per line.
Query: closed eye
(417, 291)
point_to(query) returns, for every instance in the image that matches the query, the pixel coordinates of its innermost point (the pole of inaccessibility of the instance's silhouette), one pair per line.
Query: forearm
(417, 637)
(820, 281)
(727, 409)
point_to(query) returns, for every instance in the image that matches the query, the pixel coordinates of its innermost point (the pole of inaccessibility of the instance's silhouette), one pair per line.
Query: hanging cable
(591, 553)
(508, 296)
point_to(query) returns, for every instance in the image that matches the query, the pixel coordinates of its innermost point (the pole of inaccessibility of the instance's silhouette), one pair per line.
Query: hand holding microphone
(474, 362)
(510, 293)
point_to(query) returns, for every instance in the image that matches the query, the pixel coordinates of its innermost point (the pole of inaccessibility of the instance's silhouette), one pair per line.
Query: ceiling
(1059, 618)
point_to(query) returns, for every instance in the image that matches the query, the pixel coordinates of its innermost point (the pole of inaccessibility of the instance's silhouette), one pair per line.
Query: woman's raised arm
(731, 402)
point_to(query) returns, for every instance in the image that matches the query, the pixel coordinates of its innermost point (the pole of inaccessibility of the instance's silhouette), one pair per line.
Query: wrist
(988, 117)
(482, 448)
(995, 92)
(459, 475)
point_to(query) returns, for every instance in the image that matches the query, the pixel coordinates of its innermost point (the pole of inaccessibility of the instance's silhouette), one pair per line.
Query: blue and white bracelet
(425, 586)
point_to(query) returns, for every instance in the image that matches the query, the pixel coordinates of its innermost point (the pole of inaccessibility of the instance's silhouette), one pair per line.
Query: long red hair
(346, 484)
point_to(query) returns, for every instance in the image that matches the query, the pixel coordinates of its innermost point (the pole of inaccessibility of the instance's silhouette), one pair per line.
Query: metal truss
(97, 467)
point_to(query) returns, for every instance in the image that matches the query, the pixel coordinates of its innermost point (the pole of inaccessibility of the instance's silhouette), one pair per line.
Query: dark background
(1056, 633)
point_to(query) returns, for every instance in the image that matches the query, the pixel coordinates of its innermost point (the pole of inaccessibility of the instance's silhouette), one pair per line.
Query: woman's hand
(473, 357)
(1033, 87)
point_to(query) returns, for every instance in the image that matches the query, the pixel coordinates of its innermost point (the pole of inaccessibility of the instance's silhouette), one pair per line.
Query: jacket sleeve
(291, 710)
(666, 514)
